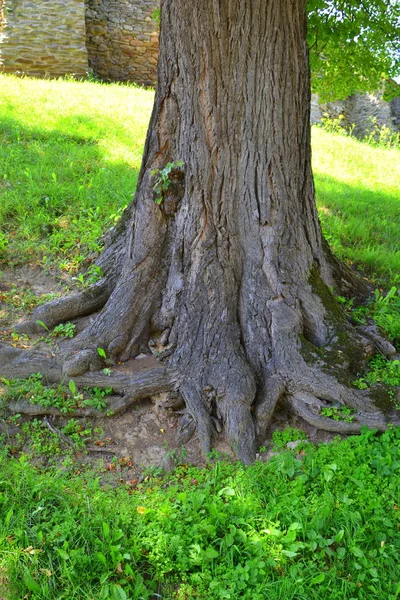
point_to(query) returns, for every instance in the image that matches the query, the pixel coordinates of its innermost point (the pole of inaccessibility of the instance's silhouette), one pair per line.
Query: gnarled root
(91, 299)
(131, 385)
(79, 304)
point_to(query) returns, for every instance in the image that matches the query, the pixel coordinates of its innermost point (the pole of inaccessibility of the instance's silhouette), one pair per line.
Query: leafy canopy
(354, 45)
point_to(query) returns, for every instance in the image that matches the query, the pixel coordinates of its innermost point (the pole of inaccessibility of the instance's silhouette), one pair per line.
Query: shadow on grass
(59, 189)
(362, 225)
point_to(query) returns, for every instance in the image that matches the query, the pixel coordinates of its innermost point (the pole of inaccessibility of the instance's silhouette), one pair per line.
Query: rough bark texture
(228, 278)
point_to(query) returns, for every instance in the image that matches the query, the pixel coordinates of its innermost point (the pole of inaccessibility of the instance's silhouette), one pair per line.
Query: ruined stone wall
(43, 37)
(122, 40)
(360, 110)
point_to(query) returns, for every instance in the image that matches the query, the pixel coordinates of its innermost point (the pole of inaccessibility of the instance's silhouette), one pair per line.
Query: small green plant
(42, 324)
(97, 397)
(381, 370)
(336, 125)
(381, 135)
(338, 413)
(281, 437)
(94, 274)
(162, 179)
(65, 330)
(72, 387)
(3, 245)
(156, 16)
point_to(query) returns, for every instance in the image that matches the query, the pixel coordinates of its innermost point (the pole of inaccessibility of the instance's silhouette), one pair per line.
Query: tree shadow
(59, 189)
(362, 225)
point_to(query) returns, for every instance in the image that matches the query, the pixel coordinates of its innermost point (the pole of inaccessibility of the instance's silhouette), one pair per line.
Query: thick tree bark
(228, 278)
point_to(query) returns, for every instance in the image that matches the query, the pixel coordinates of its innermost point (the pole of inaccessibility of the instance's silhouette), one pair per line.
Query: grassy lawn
(358, 194)
(69, 159)
(308, 524)
(70, 154)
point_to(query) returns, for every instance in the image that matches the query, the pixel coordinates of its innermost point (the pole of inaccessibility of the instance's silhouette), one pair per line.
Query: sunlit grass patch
(69, 159)
(358, 196)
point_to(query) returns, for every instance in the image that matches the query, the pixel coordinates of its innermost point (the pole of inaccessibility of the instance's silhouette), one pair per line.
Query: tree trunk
(224, 271)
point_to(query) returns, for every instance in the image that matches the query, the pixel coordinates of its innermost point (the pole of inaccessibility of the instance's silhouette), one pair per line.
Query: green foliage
(92, 275)
(326, 525)
(382, 136)
(102, 353)
(338, 413)
(40, 441)
(156, 16)
(381, 370)
(65, 330)
(281, 437)
(24, 300)
(98, 397)
(382, 308)
(354, 45)
(386, 313)
(81, 432)
(3, 245)
(163, 180)
(34, 391)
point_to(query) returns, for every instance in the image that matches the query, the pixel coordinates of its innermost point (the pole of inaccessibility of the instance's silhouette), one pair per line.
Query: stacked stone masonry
(43, 37)
(116, 40)
(122, 40)
(360, 111)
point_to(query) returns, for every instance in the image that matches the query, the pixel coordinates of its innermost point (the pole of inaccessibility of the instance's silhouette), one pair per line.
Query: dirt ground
(145, 435)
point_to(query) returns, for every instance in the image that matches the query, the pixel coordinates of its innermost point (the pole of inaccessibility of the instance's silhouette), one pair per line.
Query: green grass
(325, 523)
(69, 158)
(358, 196)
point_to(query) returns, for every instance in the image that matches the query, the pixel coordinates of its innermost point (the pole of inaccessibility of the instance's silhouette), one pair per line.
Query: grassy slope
(69, 159)
(325, 525)
(358, 193)
(70, 154)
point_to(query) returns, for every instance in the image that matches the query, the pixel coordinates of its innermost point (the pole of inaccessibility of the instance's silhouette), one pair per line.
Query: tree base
(304, 380)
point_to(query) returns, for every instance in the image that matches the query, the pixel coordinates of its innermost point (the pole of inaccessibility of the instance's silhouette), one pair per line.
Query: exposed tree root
(116, 404)
(16, 363)
(307, 407)
(130, 386)
(75, 305)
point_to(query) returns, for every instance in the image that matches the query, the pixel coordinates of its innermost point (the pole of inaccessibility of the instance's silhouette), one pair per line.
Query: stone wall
(122, 40)
(43, 37)
(359, 110)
